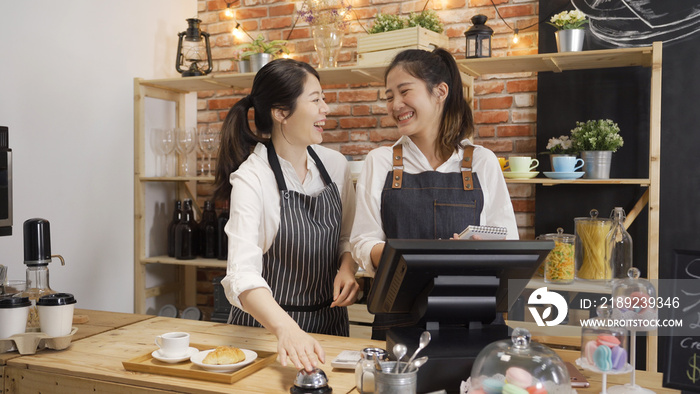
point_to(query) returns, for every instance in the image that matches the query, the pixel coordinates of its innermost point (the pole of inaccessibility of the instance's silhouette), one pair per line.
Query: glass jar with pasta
(559, 266)
(590, 246)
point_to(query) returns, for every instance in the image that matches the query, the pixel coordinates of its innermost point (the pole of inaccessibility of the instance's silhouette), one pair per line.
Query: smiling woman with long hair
(292, 202)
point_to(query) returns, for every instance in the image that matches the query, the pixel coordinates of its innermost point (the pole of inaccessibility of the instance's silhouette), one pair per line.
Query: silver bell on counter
(314, 382)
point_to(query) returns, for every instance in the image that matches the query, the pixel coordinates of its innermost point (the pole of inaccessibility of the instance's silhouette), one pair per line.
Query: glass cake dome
(519, 366)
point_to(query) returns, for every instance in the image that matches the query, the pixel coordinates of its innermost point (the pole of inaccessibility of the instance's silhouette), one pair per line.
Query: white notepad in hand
(484, 232)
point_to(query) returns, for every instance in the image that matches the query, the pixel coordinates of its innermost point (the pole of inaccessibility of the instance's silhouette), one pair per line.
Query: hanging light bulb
(516, 38)
(237, 31)
(229, 11)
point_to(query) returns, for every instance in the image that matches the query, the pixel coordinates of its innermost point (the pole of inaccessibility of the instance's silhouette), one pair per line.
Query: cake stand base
(629, 388)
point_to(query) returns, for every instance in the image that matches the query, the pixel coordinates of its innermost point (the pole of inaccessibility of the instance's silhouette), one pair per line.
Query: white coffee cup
(522, 163)
(173, 344)
(13, 315)
(56, 314)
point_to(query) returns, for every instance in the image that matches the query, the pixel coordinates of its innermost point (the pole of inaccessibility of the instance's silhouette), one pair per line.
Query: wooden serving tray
(186, 369)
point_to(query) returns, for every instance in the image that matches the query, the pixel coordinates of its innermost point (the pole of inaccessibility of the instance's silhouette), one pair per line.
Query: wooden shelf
(580, 286)
(616, 181)
(198, 262)
(329, 76)
(176, 178)
(558, 62)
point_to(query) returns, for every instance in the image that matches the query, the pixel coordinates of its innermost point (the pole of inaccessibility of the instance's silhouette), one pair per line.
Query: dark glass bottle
(185, 240)
(177, 216)
(221, 237)
(207, 231)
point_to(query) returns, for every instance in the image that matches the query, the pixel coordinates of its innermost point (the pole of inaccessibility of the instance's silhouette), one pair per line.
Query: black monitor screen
(453, 279)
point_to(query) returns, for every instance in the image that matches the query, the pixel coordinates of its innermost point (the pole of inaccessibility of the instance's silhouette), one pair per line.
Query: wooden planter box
(380, 48)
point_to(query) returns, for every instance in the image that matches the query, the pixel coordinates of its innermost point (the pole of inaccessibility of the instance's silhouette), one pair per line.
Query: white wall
(66, 94)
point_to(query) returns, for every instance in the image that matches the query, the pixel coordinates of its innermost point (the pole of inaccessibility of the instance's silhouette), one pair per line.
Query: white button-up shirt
(255, 212)
(367, 230)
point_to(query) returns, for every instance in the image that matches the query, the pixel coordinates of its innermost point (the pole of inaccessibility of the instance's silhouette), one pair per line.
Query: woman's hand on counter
(303, 350)
(345, 285)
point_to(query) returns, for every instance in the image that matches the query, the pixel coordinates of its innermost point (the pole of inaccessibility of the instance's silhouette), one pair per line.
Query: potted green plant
(260, 52)
(570, 31)
(243, 62)
(391, 34)
(597, 140)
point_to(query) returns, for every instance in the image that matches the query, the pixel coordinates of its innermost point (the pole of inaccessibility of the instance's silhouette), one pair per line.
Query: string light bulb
(237, 32)
(229, 12)
(516, 38)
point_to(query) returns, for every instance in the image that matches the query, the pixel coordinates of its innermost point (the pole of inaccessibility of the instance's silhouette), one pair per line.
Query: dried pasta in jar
(591, 247)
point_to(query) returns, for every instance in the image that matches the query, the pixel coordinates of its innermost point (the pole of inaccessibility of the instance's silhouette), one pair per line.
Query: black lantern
(190, 53)
(479, 38)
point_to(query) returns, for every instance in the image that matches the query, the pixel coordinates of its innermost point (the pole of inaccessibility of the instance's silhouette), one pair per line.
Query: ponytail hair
(433, 68)
(276, 86)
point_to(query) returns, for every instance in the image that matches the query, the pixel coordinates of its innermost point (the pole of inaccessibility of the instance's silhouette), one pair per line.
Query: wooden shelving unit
(175, 89)
(599, 59)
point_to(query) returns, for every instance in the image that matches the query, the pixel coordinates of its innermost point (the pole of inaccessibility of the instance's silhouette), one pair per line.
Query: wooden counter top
(94, 363)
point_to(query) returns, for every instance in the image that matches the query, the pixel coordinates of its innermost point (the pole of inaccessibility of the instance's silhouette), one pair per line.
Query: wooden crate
(380, 49)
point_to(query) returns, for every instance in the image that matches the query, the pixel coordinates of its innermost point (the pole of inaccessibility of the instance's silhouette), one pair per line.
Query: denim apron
(428, 205)
(302, 261)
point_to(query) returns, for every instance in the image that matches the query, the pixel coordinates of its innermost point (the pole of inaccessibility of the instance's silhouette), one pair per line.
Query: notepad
(484, 232)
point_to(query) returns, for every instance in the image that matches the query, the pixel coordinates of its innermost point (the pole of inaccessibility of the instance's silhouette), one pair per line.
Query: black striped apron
(303, 260)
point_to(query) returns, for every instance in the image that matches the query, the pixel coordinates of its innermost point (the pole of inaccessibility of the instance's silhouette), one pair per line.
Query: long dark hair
(457, 122)
(276, 86)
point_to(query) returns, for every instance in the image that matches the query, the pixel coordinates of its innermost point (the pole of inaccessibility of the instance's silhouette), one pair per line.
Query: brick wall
(504, 106)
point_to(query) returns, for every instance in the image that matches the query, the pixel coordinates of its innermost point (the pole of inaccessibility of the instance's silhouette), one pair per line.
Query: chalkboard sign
(682, 364)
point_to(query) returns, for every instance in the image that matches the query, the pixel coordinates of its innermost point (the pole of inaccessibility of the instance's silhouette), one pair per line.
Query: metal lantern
(190, 54)
(479, 38)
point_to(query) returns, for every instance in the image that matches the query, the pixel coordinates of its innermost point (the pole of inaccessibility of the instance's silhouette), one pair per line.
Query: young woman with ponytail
(433, 182)
(292, 203)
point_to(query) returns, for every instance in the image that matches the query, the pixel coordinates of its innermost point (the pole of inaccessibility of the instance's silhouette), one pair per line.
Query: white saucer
(564, 175)
(197, 358)
(191, 351)
(520, 175)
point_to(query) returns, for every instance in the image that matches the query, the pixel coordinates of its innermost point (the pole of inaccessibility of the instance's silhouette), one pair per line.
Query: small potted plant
(560, 146)
(597, 140)
(242, 62)
(260, 52)
(570, 31)
(391, 33)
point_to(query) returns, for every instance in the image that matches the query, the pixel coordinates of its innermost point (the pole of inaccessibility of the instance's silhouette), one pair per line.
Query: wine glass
(185, 142)
(208, 139)
(167, 140)
(158, 149)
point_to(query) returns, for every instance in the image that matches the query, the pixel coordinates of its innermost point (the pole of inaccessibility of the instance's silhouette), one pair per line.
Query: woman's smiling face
(416, 111)
(305, 125)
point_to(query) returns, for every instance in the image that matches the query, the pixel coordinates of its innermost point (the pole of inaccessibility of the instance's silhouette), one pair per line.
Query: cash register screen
(462, 273)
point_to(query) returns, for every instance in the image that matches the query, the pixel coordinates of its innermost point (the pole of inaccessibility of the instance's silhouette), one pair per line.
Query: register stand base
(451, 352)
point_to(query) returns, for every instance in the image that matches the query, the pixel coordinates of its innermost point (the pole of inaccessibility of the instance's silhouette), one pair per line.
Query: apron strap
(466, 166)
(397, 175)
(275, 164)
(277, 169)
(320, 166)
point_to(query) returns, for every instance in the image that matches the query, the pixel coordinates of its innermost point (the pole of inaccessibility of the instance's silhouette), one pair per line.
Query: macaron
(537, 389)
(618, 356)
(601, 358)
(518, 377)
(513, 389)
(477, 391)
(588, 351)
(640, 301)
(492, 386)
(608, 340)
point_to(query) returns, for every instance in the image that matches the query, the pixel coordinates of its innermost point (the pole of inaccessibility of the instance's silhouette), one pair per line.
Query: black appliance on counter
(5, 182)
(454, 289)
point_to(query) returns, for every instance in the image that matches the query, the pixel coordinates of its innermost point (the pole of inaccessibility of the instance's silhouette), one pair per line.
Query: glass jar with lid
(559, 266)
(590, 246)
(364, 370)
(515, 365)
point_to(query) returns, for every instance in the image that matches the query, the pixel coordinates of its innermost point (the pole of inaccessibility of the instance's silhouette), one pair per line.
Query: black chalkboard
(682, 364)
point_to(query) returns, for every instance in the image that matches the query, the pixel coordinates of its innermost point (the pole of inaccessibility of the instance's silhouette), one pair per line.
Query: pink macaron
(608, 340)
(518, 377)
(588, 351)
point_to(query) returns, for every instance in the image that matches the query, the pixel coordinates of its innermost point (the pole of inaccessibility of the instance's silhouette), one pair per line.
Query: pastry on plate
(224, 355)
